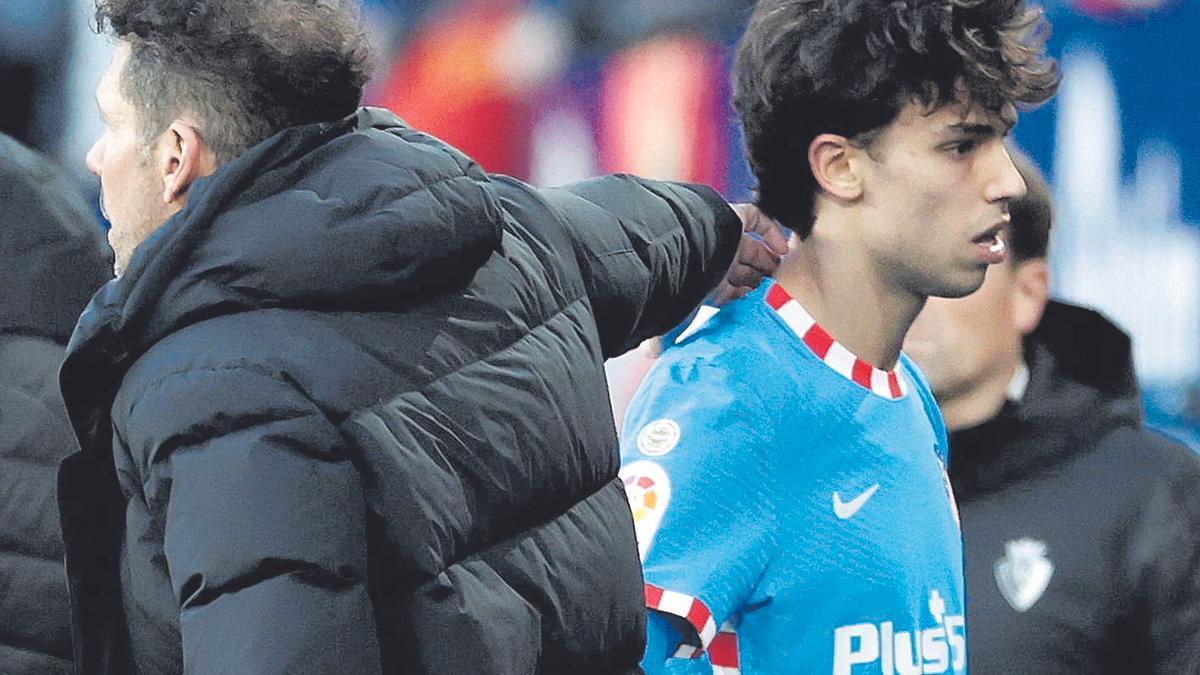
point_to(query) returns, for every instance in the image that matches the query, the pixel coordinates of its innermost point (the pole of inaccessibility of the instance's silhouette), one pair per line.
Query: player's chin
(958, 285)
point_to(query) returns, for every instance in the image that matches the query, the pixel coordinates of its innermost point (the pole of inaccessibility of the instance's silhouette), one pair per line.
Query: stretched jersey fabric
(791, 504)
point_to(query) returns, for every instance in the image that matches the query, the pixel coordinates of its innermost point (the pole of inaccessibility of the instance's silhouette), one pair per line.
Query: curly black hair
(807, 67)
(243, 69)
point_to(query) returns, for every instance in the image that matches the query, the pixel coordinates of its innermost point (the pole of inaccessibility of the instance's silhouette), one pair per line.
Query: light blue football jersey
(791, 503)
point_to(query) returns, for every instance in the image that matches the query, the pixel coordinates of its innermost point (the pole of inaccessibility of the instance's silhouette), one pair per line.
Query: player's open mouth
(991, 246)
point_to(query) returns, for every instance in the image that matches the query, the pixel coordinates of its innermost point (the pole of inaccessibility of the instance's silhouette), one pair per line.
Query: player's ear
(1031, 292)
(830, 158)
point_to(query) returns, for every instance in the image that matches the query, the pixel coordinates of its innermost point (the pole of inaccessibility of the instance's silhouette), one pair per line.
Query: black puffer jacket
(1081, 528)
(355, 397)
(52, 258)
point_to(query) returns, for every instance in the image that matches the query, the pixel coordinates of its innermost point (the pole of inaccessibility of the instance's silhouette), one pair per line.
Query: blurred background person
(1081, 528)
(52, 258)
(35, 40)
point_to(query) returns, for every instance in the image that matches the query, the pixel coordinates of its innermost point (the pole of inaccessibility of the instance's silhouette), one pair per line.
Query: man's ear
(1031, 292)
(185, 159)
(829, 158)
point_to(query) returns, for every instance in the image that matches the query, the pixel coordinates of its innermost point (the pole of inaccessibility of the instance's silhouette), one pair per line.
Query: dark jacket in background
(52, 258)
(1081, 528)
(346, 413)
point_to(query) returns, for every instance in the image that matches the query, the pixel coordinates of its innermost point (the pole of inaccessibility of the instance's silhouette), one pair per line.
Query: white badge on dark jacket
(1023, 573)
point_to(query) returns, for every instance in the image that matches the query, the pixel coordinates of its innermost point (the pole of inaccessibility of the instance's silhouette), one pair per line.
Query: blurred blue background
(558, 90)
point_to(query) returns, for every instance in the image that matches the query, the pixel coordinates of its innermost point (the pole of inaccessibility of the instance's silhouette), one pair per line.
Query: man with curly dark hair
(785, 461)
(344, 409)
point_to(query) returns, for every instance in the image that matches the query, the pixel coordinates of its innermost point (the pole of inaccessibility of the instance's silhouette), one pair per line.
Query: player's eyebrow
(979, 129)
(998, 124)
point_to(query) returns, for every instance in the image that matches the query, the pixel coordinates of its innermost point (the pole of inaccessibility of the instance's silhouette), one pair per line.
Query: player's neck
(838, 286)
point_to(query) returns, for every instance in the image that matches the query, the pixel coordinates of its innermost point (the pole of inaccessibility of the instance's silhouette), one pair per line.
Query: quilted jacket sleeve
(35, 632)
(1164, 556)
(649, 251)
(262, 519)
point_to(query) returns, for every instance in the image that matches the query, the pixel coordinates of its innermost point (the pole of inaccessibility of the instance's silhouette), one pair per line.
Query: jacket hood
(53, 255)
(1082, 385)
(359, 214)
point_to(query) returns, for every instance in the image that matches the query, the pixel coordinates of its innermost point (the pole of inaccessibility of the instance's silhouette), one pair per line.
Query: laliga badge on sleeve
(1023, 573)
(658, 437)
(649, 492)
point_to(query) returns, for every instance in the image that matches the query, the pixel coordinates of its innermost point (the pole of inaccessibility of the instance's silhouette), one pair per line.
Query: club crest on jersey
(1023, 573)
(658, 437)
(649, 492)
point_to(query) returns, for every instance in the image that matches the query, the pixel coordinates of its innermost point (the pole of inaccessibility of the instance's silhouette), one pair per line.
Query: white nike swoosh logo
(846, 510)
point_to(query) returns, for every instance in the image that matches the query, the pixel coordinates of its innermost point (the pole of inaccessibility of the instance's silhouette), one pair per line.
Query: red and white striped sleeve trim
(723, 652)
(885, 383)
(692, 610)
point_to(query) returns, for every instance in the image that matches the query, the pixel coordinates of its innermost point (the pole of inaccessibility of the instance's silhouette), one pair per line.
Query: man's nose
(1007, 183)
(94, 155)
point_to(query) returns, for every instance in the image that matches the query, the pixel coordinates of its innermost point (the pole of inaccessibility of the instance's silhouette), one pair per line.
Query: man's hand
(763, 245)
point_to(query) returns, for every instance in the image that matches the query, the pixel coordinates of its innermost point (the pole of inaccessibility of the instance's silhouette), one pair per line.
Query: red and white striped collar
(885, 383)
